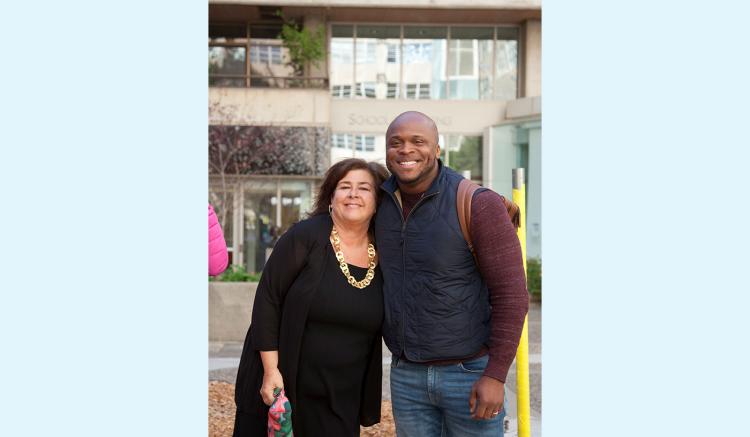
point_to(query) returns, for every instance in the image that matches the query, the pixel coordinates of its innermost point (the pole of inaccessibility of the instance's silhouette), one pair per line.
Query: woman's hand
(271, 380)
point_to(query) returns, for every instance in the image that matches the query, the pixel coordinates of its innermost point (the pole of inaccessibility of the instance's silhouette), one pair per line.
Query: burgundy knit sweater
(501, 266)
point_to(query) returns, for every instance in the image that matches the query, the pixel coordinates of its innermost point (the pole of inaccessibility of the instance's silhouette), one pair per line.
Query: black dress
(342, 324)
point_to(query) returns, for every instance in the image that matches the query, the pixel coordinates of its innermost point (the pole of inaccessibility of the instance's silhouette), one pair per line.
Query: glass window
(296, 201)
(418, 90)
(341, 91)
(226, 66)
(506, 63)
(392, 91)
(377, 59)
(463, 153)
(394, 53)
(475, 63)
(470, 62)
(342, 61)
(364, 143)
(269, 60)
(366, 90)
(259, 223)
(425, 61)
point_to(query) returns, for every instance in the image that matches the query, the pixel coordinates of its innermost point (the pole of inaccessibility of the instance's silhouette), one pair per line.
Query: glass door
(259, 222)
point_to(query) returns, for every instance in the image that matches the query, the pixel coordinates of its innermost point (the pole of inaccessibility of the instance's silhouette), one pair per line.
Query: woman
(316, 320)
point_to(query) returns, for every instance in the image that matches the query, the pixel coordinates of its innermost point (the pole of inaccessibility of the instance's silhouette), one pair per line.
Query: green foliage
(236, 273)
(468, 157)
(304, 45)
(534, 277)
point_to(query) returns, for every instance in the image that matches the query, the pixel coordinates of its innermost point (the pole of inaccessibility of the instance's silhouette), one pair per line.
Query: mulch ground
(221, 414)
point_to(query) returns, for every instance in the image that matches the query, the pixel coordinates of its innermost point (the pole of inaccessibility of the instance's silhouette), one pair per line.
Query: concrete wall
(451, 116)
(230, 306)
(268, 106)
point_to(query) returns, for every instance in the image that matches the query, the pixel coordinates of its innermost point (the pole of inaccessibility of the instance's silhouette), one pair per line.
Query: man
(452, 326)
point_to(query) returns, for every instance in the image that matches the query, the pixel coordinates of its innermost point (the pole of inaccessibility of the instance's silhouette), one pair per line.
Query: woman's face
(354, 197)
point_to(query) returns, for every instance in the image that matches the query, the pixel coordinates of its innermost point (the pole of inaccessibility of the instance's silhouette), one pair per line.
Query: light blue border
(103, 311)
(645, 164)
(103, 314)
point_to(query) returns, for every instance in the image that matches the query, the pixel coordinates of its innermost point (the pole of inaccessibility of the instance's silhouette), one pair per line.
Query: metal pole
(522, 355)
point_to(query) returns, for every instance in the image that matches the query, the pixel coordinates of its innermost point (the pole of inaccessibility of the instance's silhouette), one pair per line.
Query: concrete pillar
(312, 22)
(534, 195)
(501, 154)
(532, 58)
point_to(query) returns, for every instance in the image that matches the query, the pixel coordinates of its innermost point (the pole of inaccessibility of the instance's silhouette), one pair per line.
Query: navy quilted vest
(436, 304)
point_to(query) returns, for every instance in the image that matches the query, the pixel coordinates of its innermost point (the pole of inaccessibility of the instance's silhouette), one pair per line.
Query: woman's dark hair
(337, 172)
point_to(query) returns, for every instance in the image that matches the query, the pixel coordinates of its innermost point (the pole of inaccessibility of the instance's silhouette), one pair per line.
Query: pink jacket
(217, 247)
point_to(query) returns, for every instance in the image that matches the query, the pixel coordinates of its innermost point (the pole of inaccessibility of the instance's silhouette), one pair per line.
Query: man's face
(411, 152)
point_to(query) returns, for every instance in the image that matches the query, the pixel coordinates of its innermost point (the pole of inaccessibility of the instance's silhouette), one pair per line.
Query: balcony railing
(243, 81)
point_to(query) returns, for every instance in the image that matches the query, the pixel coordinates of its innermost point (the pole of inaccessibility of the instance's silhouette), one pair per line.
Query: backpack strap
(465, 192)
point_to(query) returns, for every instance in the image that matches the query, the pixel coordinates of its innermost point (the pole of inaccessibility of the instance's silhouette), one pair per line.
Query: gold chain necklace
(345, 267)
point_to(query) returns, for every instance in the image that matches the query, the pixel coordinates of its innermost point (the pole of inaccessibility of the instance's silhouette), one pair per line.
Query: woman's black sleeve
(288, 258)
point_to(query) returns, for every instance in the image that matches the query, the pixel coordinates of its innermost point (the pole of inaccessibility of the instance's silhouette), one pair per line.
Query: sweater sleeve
(217, 247)
(501, 265)
(287, 259)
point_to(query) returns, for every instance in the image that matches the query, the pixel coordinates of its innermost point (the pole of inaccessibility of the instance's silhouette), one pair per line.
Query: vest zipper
(403, 256)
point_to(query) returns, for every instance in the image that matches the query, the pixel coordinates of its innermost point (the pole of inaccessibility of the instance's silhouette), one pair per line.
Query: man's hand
(486, 398)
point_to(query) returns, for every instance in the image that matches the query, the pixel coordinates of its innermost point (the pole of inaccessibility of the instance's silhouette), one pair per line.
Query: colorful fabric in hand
(280, 416)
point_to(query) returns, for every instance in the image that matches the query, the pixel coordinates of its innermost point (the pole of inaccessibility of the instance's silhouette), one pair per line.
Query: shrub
(236, 273)
(534, 277)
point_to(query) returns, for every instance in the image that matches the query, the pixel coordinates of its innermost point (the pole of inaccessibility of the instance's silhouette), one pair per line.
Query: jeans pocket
(476, 365)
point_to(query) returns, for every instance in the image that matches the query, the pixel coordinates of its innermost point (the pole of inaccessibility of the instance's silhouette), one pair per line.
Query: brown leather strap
(514, 212)
(466, 189)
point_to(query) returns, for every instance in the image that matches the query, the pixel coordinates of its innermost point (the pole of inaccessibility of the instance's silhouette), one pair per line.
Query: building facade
(276, 125)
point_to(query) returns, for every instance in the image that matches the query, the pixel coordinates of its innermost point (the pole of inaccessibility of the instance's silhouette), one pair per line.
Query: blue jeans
(433, 401)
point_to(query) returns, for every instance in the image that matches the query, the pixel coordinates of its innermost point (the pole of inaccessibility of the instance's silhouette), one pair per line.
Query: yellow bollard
(522, 355)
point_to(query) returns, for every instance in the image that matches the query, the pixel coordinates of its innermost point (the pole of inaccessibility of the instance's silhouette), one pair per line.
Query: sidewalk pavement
(224, 357)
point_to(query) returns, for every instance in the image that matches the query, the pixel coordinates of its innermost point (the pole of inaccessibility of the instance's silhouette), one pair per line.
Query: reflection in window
(226, 66)
(417, 90)
(393, 53)
(463, 153)
(341, 91)
(415, 52)
(366, 90)
(341, 51)
(361, 143)
(506, 61)
(424, 59)
(470, 62)
(461, 58)
(265, 54)
(342, 61)
(377, 60)
(364, 143)
(424, 62)
(342, 141)
(392, 91)
(269, 60)
(366, 51)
